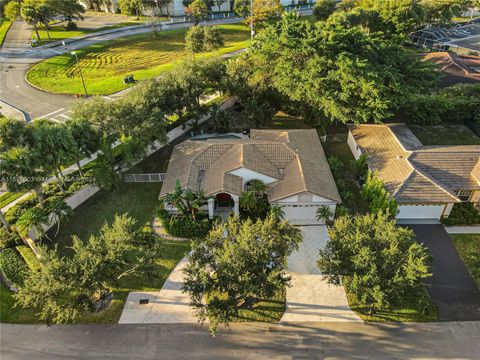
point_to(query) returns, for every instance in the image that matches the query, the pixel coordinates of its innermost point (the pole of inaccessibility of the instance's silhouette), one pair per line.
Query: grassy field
(4, 26)
(447, 134)
(8, 197)
(468, 247)
(105, 65)
(409, 311)
(58, 32)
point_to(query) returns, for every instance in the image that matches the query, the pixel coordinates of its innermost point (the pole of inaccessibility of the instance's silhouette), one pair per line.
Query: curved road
(243, 341)
(15, 62)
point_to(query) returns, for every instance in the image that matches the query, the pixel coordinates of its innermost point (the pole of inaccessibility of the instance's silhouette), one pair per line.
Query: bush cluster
(13, 266)
(29, 257)
(182, 226)
(463, 214)
(9, 239)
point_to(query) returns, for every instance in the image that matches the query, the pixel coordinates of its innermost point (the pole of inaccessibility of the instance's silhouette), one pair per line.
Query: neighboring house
(425, 180)
(455, 68)
(462, 39)
(291, 163)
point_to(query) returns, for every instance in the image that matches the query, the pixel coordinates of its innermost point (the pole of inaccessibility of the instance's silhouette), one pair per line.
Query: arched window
(258, 187)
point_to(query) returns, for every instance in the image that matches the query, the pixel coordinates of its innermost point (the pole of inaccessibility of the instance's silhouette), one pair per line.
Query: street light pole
(80, 71)
(252, 30)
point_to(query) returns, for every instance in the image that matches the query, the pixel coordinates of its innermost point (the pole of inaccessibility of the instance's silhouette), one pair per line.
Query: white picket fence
(144, 178)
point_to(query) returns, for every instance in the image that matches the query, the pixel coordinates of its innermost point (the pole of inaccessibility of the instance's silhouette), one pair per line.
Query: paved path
(167, 306)
(18, 37)
(474, 229)
(242, 341)
(451, 286)
(311, 298)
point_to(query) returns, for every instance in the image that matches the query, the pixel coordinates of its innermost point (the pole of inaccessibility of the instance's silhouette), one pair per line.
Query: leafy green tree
(20, 170)
(86, 138)
(220, 119)
(68, 287)
(349, 75)
(71, 10)
(219, 277)
(277, 212)
(55, 147)
(442, 12)
(213, 39)
(324, 8)
(324, 214)
(242, 8)
(197, 10)
(380, 263)
(194, 39)
(360, 168)
(265, 11)
(379, 199)
(33, 219)
(13, 133)
(130, 7)
(187, 202)
(37, 12)
(12, 10)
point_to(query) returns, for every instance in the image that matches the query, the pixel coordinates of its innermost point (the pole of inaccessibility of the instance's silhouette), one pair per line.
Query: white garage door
(303, 214)
(420, 211)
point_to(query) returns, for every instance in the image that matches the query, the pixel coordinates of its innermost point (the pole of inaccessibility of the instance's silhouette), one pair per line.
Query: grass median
(105, 65)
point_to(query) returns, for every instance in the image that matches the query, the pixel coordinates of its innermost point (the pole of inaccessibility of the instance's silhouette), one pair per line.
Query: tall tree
(380, 263)
(33, 219)
(55, 147)
(324, 8)
(12, 10)
(131, 7)
(219, 277)
(71, 10)
(85, 137)
(37, 12)
(197, 10)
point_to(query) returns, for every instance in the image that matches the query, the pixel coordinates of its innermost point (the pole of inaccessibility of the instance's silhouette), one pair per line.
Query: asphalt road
(35, 103)
(243, 341)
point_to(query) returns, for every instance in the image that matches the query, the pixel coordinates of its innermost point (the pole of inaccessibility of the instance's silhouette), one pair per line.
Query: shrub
(463, 214)
(378, 198)
(29, 257)
(13, 266)
(9, 239)
(181, 226)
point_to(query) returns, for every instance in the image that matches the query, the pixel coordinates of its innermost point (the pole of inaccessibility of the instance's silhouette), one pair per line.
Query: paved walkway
(474, 229)
(167, 306)
(311, 298)
(451, 287)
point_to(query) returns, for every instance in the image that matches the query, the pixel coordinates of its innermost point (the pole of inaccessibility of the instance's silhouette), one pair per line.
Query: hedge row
(182, 226)
(13, 266)
(29, 257)
(463, 214)
(9, 239)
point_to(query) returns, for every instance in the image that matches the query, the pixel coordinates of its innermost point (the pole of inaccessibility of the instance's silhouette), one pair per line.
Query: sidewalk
(472, 229)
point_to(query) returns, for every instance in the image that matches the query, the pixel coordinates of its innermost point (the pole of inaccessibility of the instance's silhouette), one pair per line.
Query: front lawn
(468, 247)
(58, 32)
(265, 311)
(105, 65)
(447, 134)
(412, 310)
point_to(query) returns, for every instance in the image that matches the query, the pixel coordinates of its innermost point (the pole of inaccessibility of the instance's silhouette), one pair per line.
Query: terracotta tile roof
(421, 174)
(295, 158)
(456, 68)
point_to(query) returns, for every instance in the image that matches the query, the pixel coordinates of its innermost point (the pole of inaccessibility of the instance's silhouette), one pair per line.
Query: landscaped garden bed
(463, 214)
(468, 247)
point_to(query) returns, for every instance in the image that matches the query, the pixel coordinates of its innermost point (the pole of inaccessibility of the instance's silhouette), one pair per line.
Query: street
(442, 340)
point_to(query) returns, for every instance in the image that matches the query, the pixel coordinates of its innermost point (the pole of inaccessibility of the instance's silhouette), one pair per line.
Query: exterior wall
(248, 175)
(421, 211)
(447, 210)
(475, 198)
(354, 148)
(302, 209)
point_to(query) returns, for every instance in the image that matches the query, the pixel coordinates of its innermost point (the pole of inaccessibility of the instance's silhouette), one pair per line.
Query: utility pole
(74, 53)
(252, 30)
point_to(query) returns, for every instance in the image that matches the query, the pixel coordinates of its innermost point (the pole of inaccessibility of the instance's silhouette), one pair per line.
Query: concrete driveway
(451, 287)
(310, 298)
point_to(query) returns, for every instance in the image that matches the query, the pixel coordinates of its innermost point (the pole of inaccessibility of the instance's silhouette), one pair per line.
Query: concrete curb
(21, 115)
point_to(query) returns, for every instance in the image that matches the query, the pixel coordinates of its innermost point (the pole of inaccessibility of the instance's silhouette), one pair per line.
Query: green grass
(447, 134)
(410, 311)
(468, 247)
(11, 314)
(265, 311)
(284, 121)
(58, 32)
(105, 65)
(4, 26)
(8, 197)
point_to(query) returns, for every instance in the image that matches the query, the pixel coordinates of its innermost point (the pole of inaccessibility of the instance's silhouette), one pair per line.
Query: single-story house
(425, 180)
(290, 163)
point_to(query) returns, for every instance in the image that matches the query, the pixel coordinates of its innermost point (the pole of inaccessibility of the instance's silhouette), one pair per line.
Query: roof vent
(399, 157)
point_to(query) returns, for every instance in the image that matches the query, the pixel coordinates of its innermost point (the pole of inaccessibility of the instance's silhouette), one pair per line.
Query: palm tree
(187, 202)
(248, 201)
(86, 138)
(324, 214)
(32, 219)
(4, 221)
(61, 211)
(277, 212)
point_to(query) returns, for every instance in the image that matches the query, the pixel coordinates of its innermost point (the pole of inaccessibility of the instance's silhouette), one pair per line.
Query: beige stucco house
(291, 163)
(425, 180)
